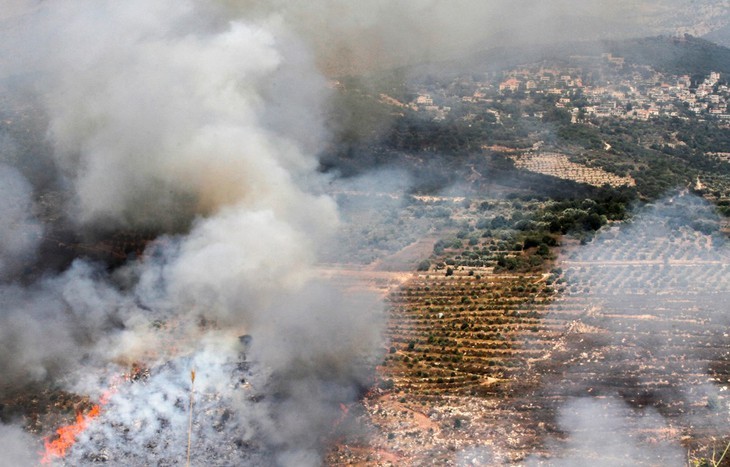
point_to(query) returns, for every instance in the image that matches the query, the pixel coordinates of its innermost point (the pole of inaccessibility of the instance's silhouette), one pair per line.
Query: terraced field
(621, 354)
(466, 334)
(558, 165)
(458, 345)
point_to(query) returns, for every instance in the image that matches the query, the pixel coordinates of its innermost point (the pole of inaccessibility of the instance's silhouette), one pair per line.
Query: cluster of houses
(600, 86)
(424, 102)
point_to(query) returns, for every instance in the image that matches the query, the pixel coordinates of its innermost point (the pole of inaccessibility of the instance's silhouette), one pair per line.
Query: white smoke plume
(151, 109)
(48, 327)
(18, 447)
(604, 433)
(162, 116)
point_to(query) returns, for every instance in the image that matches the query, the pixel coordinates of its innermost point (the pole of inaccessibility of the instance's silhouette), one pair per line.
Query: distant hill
(676, 55)
(720, 36)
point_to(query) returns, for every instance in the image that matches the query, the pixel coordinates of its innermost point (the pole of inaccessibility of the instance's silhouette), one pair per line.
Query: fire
(67, 434)
(344, 411)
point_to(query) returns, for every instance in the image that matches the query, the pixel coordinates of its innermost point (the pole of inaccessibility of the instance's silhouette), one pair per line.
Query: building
(511, 84)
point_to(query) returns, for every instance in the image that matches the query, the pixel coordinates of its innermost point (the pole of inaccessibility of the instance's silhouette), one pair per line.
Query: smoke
(200, 122)
(20, 232)
(48, 327)
(153, 111)
(17, 446)
(604, 433)
(167, 118)
(368, 36)
(355, 37)
(644, 348)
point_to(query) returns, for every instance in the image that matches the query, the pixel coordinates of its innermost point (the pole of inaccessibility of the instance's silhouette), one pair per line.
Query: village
(599, 86)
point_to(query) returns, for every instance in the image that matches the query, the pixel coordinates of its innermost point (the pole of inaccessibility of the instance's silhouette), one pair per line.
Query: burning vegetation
(66, 435)
(160, 233)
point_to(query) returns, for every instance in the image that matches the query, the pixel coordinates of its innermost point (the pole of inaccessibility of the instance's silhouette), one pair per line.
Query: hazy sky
(348, 36)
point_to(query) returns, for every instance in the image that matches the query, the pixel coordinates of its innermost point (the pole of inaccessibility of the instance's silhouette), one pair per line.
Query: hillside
(719, 36)
(677, 55)
(684, 55)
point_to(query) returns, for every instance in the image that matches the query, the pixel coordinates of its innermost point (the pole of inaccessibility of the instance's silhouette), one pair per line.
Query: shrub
(387, 384)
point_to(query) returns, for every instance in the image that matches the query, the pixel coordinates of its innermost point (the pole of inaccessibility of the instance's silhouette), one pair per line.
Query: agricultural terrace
(558, 165)
(479, 363)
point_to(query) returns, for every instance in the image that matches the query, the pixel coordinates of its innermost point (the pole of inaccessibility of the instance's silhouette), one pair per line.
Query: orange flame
(344, 411)
(67, 434)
